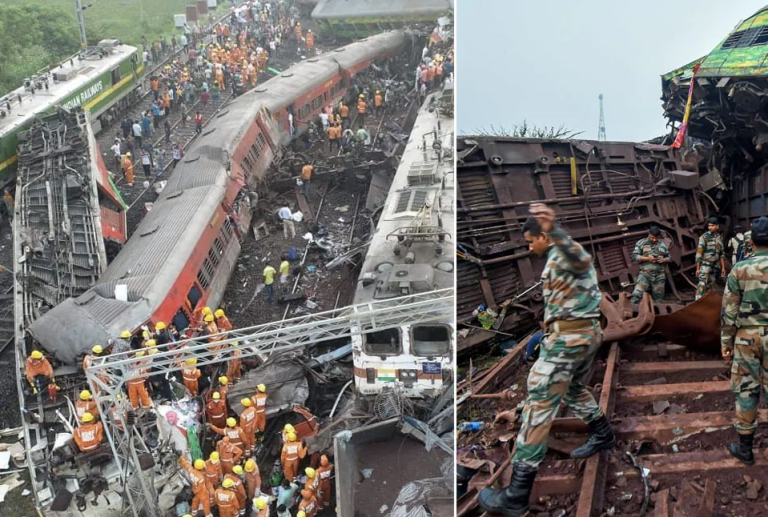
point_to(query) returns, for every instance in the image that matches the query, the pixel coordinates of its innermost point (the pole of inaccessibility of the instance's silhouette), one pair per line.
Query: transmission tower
(601, 127)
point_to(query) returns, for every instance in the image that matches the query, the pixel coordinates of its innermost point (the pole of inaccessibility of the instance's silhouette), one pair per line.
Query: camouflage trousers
(749, 373)
(707, 275)
(560, 373)
(647, 282)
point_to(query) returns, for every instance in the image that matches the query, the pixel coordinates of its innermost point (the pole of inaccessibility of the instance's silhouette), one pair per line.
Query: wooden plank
(694, 462)
(672, 367)
(664, 391)
(662, 504)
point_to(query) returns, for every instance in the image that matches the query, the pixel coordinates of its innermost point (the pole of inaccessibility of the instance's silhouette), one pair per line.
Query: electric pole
(601, 127)
(81, 23)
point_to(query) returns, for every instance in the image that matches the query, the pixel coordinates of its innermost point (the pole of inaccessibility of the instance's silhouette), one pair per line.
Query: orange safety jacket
(89, 436)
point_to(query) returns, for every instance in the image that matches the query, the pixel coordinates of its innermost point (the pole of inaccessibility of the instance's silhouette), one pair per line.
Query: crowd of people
(230, 478)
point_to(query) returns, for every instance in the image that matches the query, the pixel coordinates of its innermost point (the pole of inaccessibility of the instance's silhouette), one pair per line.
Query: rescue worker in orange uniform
(325, 472)
(260, 401)
(191, 374)
(226, 499)
(252, 479)
(248, 423)
(313, 481)
(96, 351)
(361, 109)
(213, 471)
(238, 487)
(293, 451)
(86, 404)
(222, 322)
(137, 388)
(263, 508)
(310, 40)
(344, 114)
(223, 387)
(128, 169)
(235, 434)
(288, 428)
(201, 488)
(210, 329)
(216, 410)
(378, 103)
(89, 435)
(297, 32)
(308, 503)
(228, 454)
(38, 366)
(233, 366)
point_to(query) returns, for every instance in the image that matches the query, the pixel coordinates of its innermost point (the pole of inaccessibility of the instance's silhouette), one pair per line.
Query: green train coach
(96, 83)
(730, 90)
(363, 18)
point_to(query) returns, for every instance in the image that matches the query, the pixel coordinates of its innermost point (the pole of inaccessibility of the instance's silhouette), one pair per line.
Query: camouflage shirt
(745, 302)
(710, 248)
(569, 281)
(747, 247)
(646, 248)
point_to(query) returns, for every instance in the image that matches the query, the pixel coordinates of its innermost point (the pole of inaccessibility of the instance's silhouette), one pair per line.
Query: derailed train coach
(606, 195)
(182, 254)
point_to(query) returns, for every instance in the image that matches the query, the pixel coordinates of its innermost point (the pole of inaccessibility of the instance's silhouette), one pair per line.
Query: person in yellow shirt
(269, 280)
(285, 268)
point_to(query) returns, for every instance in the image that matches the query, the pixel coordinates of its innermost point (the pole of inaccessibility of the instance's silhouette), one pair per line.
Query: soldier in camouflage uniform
(652, 253)
(747, 250)
(744, 335)
(709, 254)
(572, 308)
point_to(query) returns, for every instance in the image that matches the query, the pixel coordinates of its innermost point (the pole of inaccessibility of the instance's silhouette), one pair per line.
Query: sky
(546, 61)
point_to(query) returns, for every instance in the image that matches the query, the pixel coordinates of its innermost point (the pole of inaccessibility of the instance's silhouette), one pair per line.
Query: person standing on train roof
(286, 217)
(269, 280)
(572, 315)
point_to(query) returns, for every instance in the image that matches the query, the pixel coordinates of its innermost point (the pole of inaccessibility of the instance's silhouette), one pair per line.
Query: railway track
(672, 411)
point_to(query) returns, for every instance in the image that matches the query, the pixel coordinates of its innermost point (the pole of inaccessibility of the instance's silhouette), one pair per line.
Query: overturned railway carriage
(181, 255)
(342, 18)
(410, 253)
(95, 84)
(606, 195)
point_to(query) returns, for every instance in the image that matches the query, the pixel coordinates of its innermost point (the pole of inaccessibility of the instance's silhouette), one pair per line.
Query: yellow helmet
(36, 354)
(85, 395)
(208, 318)
(219, 313)
(223, 380)
(186, 515)
(301, 513)
(250, 466)
(228, 483)
(152, 351)
(87, 417)
(214, 456)
(128, 154)
(191, 360)
(261, 503)
(151, 343)
(231, 422)
(310, 472)
(288, 428)
(126, 334)
(140, 353)
(237, 469)
(199, 464)
(207, 310)
(246, 402)
(97, 350)
(145, 334)
(262, 388)
(216, 395)
(160, 325)
(291, 437)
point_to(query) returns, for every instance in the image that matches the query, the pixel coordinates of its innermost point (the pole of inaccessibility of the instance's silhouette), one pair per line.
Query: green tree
(525, 130)
(32, 37)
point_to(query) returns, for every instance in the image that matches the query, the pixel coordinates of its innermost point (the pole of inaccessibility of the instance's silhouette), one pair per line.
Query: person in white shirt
(324, 120)
(287, 217)
(118, 154)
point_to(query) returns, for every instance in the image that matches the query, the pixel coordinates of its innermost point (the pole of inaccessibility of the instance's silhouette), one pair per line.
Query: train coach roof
(372, 8)
(148, 265)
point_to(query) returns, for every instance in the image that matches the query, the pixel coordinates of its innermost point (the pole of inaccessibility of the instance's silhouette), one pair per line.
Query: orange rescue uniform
(309, 506)
(229, 455)
(325, 473)
(260, 402)
(239, 489)
(235, 434)
(248, 423)
(137, 390)
(35, 367)
(253, 481)
(290, 456)
(86, 406)
(216, 412)
(213, 472)
(191, 374)
(88, 436)
(226, 500)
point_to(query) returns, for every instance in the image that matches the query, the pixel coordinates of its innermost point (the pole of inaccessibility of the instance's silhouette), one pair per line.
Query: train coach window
(317, 103)
(116, 76)
(304, 111)
(227, 230)
(383, 342)
(214, 257)
(193, 297)
(431, 340)
(180, 320)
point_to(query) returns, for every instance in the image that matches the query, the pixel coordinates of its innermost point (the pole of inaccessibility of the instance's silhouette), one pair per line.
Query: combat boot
(743, 450)
(602, 438)
(513, 500)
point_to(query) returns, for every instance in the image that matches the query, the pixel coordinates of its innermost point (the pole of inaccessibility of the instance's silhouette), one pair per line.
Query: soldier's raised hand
(544, 215)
